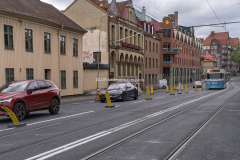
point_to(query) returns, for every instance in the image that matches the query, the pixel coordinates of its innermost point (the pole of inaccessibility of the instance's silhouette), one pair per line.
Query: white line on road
(59, 118)
(75, 103)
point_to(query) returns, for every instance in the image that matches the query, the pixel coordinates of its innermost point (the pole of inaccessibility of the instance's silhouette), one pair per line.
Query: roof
(156, 25)
(38, 9)
(234, 41)
(122, 8)
(217, 36)
(209, 58)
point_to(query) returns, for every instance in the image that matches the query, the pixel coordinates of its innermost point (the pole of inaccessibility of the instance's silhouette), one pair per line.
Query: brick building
(181, 52)
(221, 46)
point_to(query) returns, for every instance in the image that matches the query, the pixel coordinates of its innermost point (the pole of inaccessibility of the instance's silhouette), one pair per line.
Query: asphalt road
(86, 127)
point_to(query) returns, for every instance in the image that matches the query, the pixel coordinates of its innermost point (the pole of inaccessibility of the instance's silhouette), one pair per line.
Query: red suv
(23, 97)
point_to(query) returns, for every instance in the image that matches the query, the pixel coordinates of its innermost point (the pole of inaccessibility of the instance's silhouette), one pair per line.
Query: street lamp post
(99, 47)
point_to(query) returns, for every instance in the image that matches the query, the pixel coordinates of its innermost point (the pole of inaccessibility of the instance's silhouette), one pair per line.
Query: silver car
(198, 83)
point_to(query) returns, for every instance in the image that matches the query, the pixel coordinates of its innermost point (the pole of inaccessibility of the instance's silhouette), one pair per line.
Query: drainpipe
(109, 49)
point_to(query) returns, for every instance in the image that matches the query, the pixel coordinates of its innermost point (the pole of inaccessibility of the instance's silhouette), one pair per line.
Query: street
(166, 127)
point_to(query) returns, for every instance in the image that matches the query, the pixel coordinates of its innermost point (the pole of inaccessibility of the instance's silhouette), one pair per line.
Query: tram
(216, 79)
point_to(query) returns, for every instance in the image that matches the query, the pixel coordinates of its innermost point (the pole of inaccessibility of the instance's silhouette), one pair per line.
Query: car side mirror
(29, 91)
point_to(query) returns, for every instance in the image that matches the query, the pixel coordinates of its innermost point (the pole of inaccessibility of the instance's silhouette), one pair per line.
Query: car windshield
(117, 86)
(14, 87)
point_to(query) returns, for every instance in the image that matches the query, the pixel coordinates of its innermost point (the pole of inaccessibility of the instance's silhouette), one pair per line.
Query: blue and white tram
(216, 79)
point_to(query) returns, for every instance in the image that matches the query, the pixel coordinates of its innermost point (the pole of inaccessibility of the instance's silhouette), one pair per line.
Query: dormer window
(145, 27)
(148, 28)
(152, 29)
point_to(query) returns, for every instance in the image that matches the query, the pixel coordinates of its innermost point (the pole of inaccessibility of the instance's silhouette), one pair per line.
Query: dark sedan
(120, 91)
(23, 97)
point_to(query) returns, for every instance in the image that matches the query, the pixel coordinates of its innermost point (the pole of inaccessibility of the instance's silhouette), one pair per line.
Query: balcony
(224, 53)
(174, 51)
(124, 44)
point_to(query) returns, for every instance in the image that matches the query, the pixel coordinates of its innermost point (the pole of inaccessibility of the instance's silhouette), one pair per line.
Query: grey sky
(189, 13)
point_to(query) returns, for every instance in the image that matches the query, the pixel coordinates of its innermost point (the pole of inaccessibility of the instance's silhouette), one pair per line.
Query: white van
(163, 83)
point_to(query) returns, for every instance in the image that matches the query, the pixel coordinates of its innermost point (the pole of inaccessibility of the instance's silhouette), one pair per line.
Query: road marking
(158, 97)
(117, 106)
(59, 118)
(74, 144)
(139, 101)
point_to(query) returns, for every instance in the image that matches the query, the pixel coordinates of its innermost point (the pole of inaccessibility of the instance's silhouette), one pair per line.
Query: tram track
(116, 144)
(80, 130)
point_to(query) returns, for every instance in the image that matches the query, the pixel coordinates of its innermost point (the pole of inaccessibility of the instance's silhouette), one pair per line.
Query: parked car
(120, 91)
(163, 83)
(23, 97)
(198, 83)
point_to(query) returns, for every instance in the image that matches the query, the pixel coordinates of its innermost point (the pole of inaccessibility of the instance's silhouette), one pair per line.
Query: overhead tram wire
(233, 16)
(212, 13)
(147, 12)
(216, 14)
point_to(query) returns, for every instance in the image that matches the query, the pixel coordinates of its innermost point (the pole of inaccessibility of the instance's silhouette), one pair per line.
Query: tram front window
(215, 76)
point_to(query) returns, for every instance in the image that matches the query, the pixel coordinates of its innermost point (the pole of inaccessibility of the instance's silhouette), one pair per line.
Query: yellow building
(40, 42)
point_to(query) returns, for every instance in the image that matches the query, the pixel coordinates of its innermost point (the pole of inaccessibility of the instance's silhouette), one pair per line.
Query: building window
(113, 34)
(145, 79)
(47, 42)
(75, 47)
(149, 79)
(28, 40)
(75, 79)
(29, 73)
(149, 46)
(9, 75)
(146, 62)
(148, 28)
(156, 48)
(149, 62)
(8, 37)
(63, 79)
(166, 33)
(95, 54)
(153, 46)
(145, 26)
(156, 63)
(166, 58)
(145, 45)
(153, 62)
(62, 45)
(152, 29)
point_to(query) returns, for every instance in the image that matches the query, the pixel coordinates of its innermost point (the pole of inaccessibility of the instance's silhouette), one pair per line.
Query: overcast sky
(190, 13)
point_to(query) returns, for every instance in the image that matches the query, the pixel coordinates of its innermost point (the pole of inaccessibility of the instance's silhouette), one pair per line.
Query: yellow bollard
(98, 94)
(174, 87)
(186, 91)
(152, 90)
(148, 94)
(172, 90)
(108, 100)
(13, 117)
(195, 87)
(182, 88)
(167, 90)
(202, 86)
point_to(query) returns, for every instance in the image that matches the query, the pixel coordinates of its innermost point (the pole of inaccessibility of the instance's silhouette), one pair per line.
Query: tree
(235, 56)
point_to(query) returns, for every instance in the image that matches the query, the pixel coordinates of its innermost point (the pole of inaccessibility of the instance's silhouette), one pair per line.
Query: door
(33, 100)
(130, 90)
(44, 94)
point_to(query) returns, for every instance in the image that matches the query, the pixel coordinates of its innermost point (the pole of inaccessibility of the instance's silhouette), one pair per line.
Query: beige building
(89, 14)
(40, 42)
(209, 62)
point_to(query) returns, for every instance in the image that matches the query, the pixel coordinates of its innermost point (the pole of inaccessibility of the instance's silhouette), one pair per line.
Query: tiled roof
(209, 58)
(222, 41)
(234, 41)
(218, 36)
(156, 25)
(39, 10)
(122, 8)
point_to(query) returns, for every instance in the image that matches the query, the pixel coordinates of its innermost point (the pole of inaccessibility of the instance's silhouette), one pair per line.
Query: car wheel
(124, 96)
(54, 108)
(163, 87)
(20, 111)
(136, 95)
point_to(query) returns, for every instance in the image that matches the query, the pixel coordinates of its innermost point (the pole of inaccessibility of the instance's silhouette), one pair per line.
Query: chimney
(212, 33)
(143, 14)
(130, 2)
(176, 17)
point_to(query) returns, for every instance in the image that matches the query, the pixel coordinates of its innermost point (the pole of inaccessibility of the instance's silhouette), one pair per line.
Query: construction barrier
(152, 90)
(202, 86)
(167, 90)
(98, 94)
(148, 94)
(13, 117)
(108, 100)
(195, 87)
(186, 91)
(174, 87)
(171, 88)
